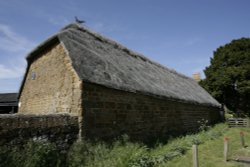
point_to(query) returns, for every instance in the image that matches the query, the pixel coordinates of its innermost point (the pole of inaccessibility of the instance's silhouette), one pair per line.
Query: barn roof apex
(72, 25)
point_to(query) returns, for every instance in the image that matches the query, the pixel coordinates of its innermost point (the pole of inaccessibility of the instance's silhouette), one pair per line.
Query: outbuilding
(8, 103)
(112, 89)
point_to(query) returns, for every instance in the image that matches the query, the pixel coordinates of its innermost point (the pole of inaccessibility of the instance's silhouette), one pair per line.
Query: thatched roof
(102, 61)
(8, 99)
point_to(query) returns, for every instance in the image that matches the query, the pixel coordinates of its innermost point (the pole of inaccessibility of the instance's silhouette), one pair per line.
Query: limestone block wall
(62, 129)
(51, 85)
(109, 113)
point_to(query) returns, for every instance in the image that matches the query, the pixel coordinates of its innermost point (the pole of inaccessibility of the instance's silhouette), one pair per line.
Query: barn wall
(108, 113)
(56, 87)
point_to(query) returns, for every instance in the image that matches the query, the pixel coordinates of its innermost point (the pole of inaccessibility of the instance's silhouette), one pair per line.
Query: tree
(228, 76)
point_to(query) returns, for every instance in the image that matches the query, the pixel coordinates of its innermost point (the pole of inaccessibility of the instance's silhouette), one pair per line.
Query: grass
(123, 153)
(32, 155)
(211, 152)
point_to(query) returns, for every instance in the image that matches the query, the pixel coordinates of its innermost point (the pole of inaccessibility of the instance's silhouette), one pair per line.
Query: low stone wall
(16, 129)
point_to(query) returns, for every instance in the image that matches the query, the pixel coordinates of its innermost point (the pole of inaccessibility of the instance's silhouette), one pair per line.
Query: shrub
(203, 125)
(40, 154)
(33, 154)
(83, 153)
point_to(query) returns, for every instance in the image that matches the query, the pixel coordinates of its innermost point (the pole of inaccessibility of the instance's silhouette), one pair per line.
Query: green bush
(83, 153)
(10, 157)
(119, 153)
(40, 154)
(33, 154)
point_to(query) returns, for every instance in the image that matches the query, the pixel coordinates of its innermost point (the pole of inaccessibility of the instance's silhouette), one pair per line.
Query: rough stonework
(109, 113)
(62, 129)
(51, 85)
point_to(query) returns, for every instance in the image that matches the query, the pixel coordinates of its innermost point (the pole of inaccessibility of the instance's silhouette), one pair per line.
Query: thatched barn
(8, 103)
(112, 89)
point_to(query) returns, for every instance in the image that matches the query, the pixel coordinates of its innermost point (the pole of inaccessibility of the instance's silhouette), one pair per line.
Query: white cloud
(192, 41)
(13, 42)
(58, 21)
(7, 73)
(54, 19)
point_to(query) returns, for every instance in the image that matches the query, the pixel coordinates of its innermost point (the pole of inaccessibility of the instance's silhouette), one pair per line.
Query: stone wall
(51, 84)
(109, 113)
(16, 129)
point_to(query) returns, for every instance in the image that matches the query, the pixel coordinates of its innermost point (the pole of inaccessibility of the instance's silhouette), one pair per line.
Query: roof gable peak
(72, 26)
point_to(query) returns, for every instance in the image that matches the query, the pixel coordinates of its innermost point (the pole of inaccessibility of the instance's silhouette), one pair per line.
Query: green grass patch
(211, 152)
(124, 153)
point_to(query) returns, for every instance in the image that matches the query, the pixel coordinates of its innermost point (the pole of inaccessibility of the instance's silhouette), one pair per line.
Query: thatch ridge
(119, 46)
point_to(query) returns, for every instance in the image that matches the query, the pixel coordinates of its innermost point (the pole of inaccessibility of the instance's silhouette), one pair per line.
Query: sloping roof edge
(119, 46)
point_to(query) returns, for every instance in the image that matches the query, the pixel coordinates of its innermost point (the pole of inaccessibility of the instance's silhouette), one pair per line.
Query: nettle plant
(203, 124)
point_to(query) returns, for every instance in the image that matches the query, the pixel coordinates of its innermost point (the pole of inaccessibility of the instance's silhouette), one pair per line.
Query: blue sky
(180, 34)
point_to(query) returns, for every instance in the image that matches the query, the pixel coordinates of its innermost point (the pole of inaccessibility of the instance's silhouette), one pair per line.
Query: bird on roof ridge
(79, 21)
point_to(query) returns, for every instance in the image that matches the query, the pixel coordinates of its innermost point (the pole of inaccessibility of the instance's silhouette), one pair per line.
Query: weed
(203, 125)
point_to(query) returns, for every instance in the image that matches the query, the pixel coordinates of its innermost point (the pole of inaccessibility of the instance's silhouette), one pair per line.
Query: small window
(33, 75)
